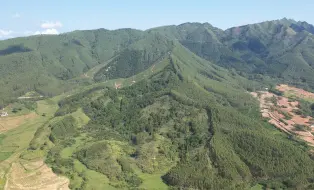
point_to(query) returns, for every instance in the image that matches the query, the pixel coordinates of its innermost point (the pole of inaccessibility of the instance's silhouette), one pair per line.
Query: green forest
(276, 51)
(183, 117)
(196, 128)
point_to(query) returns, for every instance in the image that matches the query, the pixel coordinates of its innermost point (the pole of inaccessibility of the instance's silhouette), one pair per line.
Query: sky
(33, 17)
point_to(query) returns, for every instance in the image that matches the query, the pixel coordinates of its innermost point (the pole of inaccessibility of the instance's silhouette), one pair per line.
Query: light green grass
(292, 95)
(68, 151)
(49, 107)
(151, 181)
(95, 180)
(2, 136)
(80, 117)
(257, 187)
(5, 155)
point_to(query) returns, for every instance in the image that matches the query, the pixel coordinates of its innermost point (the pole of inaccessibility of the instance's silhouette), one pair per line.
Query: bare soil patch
(34, 175)
(8, 123)
(279, 110)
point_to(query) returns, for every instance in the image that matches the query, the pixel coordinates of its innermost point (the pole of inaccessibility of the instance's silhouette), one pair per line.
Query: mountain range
(280, 49)
(167, 108)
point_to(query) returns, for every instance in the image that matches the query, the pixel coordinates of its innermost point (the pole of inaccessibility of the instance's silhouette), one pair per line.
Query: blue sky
(29, 17)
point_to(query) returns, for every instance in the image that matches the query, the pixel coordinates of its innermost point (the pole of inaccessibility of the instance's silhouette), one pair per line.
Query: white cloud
(48, 25)
(16, 15)
(50, 31)
(5, 33)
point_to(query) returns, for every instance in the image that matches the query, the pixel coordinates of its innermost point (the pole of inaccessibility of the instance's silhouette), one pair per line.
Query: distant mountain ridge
(279, 49)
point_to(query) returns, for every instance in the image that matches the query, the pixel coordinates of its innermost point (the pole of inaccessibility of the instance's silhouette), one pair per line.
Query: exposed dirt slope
(34, 176)
(280, 112)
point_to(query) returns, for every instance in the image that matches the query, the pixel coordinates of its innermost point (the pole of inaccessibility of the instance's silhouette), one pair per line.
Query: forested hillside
(50, 65)
(190, 125)
(165, 108)
(281, 49)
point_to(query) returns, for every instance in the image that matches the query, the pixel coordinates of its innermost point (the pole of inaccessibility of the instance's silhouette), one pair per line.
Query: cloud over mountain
(49, 24)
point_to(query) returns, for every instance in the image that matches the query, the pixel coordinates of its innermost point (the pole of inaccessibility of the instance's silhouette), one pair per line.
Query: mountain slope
(51, 65)
(164, 108)
(189, 125)
(281, 49)
(272, 51)
(137, 57)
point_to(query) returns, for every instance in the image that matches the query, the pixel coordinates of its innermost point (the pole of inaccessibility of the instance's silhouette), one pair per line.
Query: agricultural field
(17, 131)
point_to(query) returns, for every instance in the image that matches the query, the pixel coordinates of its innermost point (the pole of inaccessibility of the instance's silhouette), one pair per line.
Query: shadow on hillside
(14, 49)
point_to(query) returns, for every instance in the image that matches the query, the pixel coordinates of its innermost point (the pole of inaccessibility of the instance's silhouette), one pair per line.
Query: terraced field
(17, 130)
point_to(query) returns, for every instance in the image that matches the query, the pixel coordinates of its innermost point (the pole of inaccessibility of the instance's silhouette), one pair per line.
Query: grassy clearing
(151, 181)
(68, 151)
(257, 187)
(95, 179)
(2, 136)
(47, 107)
(5, 155)
(80, 117)
(292, 95)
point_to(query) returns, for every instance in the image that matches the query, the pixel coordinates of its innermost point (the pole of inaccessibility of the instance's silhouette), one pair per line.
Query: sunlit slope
(188, 123)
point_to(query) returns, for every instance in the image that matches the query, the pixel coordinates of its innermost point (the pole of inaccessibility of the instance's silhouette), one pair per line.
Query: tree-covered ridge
(276, 51)
(51, 65)
(137, 58)
(192, 123)
(281, 49)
